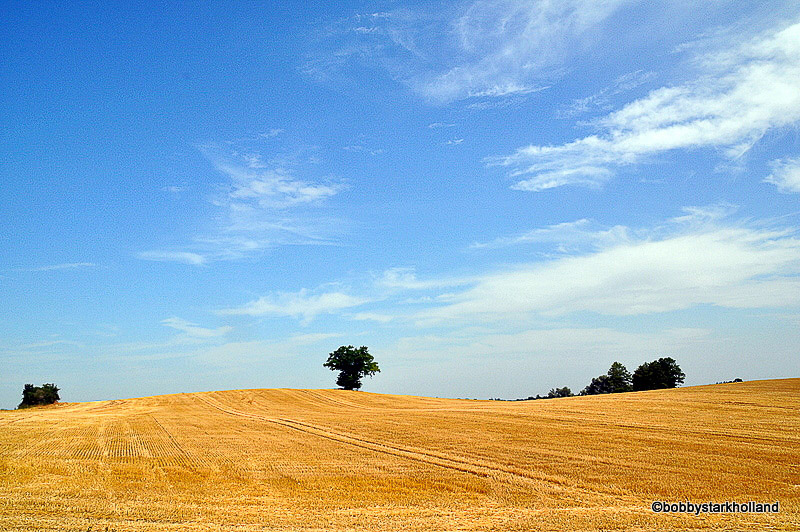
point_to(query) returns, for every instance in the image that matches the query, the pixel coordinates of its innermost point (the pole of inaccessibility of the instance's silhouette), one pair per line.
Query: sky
(496, 197)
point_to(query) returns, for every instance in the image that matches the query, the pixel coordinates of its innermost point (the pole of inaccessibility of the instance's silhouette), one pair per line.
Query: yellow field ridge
(284, 459)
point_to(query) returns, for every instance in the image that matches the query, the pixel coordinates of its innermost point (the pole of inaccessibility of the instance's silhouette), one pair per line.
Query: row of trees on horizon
(354, 364)
(658, 374)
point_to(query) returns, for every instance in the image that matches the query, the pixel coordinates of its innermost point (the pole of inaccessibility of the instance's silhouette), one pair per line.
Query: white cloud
(185, 257)
(402, 278)
(262, 204)
(487, 50)
(577, 233)
(695, 261)
(586, 175)
(373, 316)
(271, 133)
(266, 205)
(785, 175)
(741, 95)
(65, 266)
(503, 90)
(53, 343)
(193, 330)
(602, 99)
(358, 148)
(303, 304)
(265, 188)
(503, 47)
(273, 189)
(706, 213)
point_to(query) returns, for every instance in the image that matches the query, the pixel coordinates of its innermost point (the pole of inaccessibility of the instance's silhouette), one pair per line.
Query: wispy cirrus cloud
(261, 204)
(739, 96)
(193, 330)
(51, 343)
(484, 50)
(699, 258)
(602, 99)
(358, 148)
(184, 257)
(63, 266)
(785, 174)
(373, 316)
(274, 132)
(405, 278)
(587, 235)
(275, 188)
(736, 269)
(566, 235)
(504, 48)
(304, 304)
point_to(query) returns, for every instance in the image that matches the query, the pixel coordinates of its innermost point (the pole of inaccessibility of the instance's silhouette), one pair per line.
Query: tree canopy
(46, 394)
(658, 374)
(618, 379)
(555, 393)
(599, 385)
(353, 365)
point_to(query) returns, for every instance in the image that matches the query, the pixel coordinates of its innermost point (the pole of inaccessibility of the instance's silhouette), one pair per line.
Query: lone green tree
(353, 365)
(658, 374)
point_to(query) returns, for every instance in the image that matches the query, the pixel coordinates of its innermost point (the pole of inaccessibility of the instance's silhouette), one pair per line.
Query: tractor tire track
(357, 442)
(183, 456)
(331, 401)
(464, 465)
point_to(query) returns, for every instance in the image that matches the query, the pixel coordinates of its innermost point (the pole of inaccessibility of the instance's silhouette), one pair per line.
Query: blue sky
(496, 197)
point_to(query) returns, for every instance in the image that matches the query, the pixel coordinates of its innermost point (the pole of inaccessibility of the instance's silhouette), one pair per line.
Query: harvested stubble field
(337, 460)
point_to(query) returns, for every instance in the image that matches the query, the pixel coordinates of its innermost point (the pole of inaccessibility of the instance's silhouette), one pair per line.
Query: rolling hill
(285, 459)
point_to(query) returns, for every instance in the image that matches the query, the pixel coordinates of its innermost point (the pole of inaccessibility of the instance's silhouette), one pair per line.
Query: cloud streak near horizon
(695, 259)
(699, 258)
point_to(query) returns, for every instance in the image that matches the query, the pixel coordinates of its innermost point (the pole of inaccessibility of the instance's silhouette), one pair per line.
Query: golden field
(337, 460)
